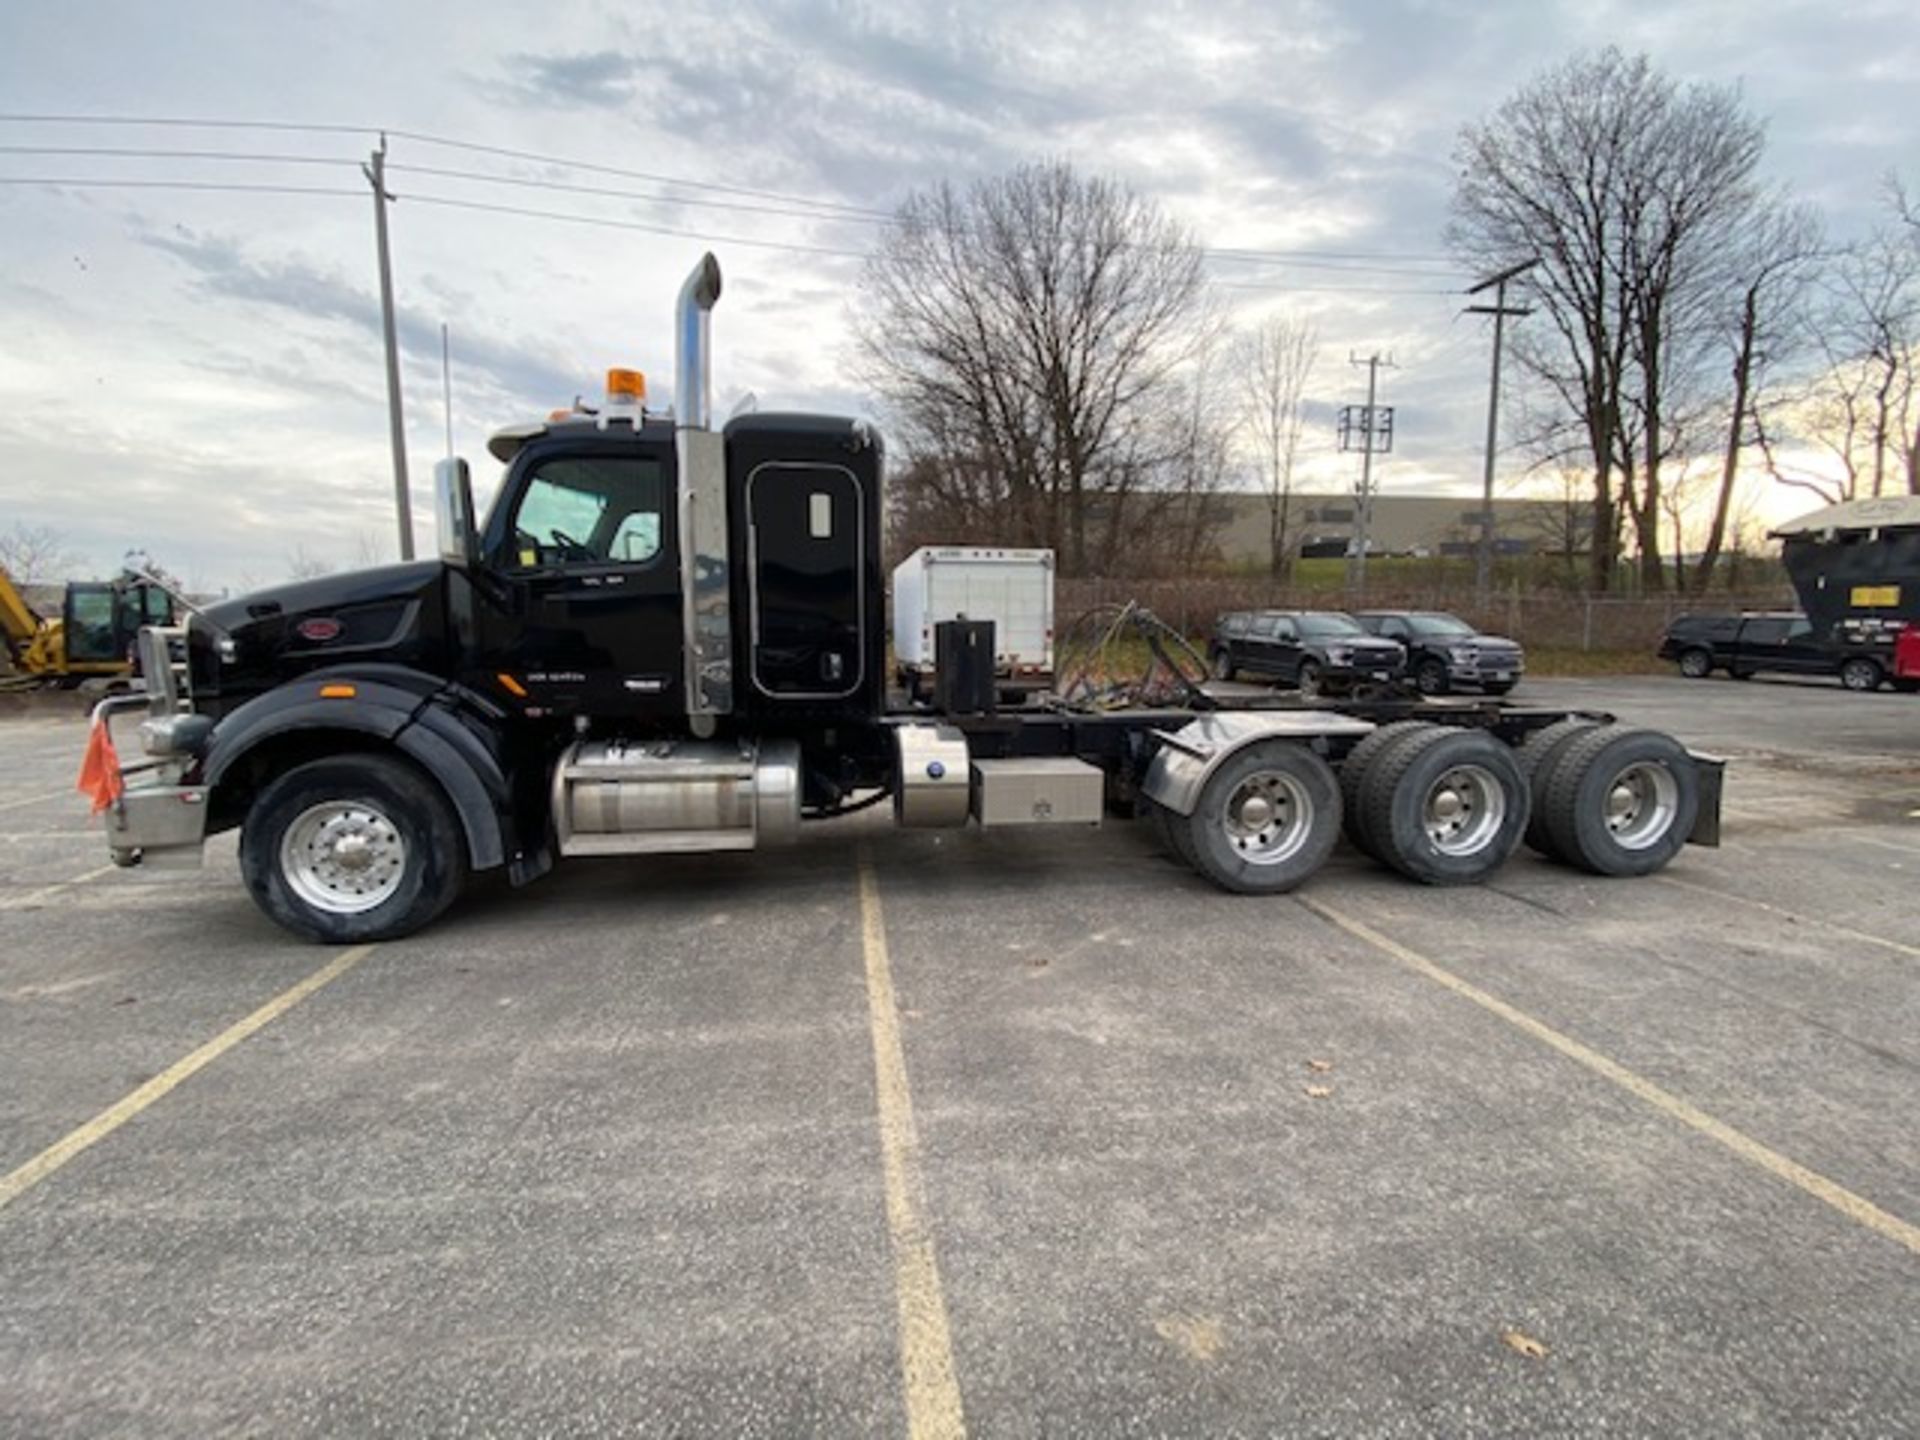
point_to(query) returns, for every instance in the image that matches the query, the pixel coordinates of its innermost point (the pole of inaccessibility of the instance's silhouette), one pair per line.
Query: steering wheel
(570, 548)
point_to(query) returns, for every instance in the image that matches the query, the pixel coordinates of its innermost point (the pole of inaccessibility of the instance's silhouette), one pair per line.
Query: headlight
(1340, 654)
(1460, 655)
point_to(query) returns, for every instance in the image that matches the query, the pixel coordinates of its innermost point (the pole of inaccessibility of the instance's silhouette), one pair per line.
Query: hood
(389, 615)
(348, 590)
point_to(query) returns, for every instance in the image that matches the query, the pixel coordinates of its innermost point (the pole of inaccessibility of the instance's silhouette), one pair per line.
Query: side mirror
(453, 514)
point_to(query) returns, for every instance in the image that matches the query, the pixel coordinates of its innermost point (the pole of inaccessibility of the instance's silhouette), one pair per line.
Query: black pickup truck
(1317, 651)
(1782, 642)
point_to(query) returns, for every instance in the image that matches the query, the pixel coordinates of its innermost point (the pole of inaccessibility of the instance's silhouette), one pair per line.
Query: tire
(1536, 758)
(1169, 829)
(1310, 680)
(1222, 666)
(383, 850)
(1446, 808)
(1430, 677)
(1861, 674)
(1353, 774)
(1586, 819)
(1267, 851)
(1696, 664)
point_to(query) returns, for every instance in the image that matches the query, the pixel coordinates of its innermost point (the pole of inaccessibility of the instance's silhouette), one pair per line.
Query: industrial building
(1402, 525)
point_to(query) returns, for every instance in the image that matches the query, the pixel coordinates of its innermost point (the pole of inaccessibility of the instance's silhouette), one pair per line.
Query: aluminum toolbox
(1049, 791)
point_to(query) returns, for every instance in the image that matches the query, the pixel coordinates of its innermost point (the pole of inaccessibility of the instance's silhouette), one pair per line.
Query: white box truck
(1012, 588)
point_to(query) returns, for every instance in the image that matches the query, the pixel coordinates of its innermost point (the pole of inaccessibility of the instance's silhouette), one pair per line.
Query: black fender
(439, 726)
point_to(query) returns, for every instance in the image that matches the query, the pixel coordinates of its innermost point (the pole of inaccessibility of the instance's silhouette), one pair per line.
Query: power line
(656, 199)
(603, 221)
(1228, 253)
(137, 154)
(72, 183)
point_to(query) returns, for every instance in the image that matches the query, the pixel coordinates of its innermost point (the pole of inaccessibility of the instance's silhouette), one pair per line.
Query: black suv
(1316, 650)
(1444, 652)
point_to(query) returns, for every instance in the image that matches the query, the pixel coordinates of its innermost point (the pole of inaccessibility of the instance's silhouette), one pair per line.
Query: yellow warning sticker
(1875, 597)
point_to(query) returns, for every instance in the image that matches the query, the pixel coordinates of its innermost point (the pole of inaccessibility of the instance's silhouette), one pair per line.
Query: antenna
(446, 385)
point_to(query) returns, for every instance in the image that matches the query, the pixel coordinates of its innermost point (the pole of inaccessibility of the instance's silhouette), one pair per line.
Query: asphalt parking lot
(1010, 1134)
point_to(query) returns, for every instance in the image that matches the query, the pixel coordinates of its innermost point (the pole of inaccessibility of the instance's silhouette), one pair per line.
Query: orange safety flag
(100, 771)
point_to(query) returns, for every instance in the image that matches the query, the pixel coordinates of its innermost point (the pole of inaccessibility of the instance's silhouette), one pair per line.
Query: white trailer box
(1012, 588)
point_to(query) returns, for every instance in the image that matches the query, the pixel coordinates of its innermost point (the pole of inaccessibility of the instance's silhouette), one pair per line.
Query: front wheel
(1431, 677)
(1696, 664)
(352, 848)
(1312, 682)
(1860, 673)
(1222, 665)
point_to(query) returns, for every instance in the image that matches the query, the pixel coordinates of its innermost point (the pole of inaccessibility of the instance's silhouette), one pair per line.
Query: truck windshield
(1440, 624)
(1321, 624)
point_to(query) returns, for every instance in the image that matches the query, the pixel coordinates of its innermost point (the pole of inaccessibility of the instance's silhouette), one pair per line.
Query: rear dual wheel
(1442, 806)
(1615, 800)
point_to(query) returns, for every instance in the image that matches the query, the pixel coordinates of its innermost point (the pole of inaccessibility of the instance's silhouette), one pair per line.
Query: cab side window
(589, 510)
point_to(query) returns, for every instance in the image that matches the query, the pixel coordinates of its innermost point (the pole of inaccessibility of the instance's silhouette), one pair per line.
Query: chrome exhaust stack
(705, 580)
(692, 360)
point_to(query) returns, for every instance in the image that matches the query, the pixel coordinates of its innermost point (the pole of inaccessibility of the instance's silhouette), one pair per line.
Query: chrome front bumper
(157, 819)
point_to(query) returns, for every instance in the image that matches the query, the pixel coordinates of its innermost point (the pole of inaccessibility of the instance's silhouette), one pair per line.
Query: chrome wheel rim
(1309, 680)
(1464, 810)
(1641, 802)
(1268, 817)
(1693, 664)
(1857, 675)
(343, 856)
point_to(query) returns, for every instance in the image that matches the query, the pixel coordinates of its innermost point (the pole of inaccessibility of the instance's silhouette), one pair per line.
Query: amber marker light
(338, 692)
(512, 686)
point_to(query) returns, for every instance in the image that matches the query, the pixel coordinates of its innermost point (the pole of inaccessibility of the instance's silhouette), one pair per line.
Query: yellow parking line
(1854, 1207)
(1865, 937)
(926, 1348)
(34, 897)
(13, 1186)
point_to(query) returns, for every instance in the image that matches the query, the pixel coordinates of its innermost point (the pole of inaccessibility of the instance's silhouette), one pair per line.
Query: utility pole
(376, 174)
(1500, 310)
(1370, 432)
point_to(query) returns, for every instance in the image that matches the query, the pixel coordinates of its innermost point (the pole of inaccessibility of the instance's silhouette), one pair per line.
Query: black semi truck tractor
(667, 637)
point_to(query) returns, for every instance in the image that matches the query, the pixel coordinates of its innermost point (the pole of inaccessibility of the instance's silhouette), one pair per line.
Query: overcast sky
(199, 373)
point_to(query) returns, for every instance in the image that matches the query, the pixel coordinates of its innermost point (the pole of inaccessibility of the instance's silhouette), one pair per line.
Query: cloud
(602, 80)
(521, 368)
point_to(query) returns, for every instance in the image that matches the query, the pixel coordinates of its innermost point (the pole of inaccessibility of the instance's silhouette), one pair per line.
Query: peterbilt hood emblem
(320, 629)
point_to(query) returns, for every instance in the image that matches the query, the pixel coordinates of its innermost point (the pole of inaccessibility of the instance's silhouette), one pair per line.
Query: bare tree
(1275, 361)
(36, 553)
(303, 564)
(1625, 185)
(1860, 408)
(1762, 326)
(1013, 327)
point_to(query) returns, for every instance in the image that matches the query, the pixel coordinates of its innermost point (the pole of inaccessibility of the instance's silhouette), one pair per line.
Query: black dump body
(1855, 579)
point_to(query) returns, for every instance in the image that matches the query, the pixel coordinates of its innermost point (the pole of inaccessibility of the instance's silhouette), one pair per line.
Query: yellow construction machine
(91, 639)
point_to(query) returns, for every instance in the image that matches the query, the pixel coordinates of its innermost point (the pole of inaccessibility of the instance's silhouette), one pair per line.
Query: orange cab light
(555, 416)
(512, 686)
(629, 384)
(338, 692)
